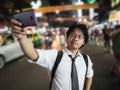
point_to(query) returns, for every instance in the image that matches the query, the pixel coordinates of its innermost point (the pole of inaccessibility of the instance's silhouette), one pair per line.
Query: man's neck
(73, 51)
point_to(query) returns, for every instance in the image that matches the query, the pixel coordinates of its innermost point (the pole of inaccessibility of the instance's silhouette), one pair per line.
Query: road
(22, 75)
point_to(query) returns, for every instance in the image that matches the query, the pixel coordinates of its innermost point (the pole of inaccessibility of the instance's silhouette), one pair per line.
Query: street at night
(22, 75)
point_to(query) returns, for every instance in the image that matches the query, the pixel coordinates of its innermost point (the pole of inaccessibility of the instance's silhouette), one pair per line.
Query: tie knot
(73, 58)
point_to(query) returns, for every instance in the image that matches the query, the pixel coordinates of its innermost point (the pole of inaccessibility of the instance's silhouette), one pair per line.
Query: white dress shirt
(62, 79)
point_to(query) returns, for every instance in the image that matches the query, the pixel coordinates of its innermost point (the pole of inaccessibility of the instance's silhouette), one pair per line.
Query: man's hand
(17, 30)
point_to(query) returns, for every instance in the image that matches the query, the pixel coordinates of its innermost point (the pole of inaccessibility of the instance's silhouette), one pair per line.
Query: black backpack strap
(57, 61)
(86, 61)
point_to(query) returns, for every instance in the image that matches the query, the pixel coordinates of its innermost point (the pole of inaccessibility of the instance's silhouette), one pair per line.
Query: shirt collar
(69, 53)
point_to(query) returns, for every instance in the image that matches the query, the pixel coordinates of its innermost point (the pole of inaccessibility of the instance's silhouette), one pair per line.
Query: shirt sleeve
(46, 58)
(90, 69)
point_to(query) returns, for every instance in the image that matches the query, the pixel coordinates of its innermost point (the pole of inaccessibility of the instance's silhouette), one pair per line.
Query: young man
(76, 37)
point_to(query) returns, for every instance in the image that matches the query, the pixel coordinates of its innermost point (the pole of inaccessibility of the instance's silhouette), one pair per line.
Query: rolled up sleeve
(46, 58)
(90, 71)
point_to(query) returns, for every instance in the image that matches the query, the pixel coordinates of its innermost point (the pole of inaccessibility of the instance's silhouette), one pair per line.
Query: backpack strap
(86, 62)
(57, 61)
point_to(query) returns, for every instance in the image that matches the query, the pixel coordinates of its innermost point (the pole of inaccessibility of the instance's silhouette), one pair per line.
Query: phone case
(27, 18)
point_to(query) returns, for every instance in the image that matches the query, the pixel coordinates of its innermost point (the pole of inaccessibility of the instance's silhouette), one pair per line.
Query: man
(106, 32)
(116, 50)
(76, 37)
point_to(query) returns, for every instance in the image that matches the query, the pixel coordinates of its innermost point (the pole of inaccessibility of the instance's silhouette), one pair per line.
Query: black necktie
(74, 77)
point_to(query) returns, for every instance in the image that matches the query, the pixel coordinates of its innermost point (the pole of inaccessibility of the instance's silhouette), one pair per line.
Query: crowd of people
(53, 39)
(109, 38)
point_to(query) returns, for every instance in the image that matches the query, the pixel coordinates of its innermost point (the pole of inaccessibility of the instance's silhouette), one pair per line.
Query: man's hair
(82, 28)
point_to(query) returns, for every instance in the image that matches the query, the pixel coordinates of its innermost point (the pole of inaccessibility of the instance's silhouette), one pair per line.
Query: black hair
(82, 27)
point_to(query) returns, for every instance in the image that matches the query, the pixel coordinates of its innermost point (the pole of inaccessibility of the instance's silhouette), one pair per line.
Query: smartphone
(27, 18)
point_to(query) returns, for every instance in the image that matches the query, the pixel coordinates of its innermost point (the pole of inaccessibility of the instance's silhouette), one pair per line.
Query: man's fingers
(17, 11)
(13, 21)
(16, 31)
(17, 28)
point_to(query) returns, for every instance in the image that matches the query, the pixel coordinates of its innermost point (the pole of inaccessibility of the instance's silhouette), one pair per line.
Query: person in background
(96, 35)
(56, 41)
(116, 50)
(48, 40)
(106, 32)
(76, 38)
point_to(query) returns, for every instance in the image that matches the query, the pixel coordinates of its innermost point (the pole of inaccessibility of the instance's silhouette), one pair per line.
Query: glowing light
(36, 4)
(57, 12)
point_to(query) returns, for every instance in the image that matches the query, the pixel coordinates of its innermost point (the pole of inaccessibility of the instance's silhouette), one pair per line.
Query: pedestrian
(116, 50)
(106, 33)
(72, 59)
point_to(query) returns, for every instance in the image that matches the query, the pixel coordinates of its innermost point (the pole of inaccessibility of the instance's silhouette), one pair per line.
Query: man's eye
(80, 36)
(72, 34)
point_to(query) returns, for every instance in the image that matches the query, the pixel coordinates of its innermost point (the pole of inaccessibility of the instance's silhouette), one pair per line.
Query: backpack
(57, 61)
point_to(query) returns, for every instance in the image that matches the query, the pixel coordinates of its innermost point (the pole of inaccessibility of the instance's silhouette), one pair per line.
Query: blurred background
(102, 18)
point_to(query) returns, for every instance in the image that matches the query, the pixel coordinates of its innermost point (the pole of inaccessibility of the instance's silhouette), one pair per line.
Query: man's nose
(76, 37)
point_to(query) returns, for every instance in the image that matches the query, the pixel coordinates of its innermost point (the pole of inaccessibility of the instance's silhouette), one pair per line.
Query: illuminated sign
(64, 7)
(114, 16)
(91, 1)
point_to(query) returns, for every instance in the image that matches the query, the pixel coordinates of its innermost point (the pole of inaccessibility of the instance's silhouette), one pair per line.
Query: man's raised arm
(25, 43)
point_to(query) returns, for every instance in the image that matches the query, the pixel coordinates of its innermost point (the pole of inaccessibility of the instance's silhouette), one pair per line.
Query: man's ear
(83, 43)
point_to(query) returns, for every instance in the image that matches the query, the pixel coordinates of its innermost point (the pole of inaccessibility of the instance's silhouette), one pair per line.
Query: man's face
(75, 39)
